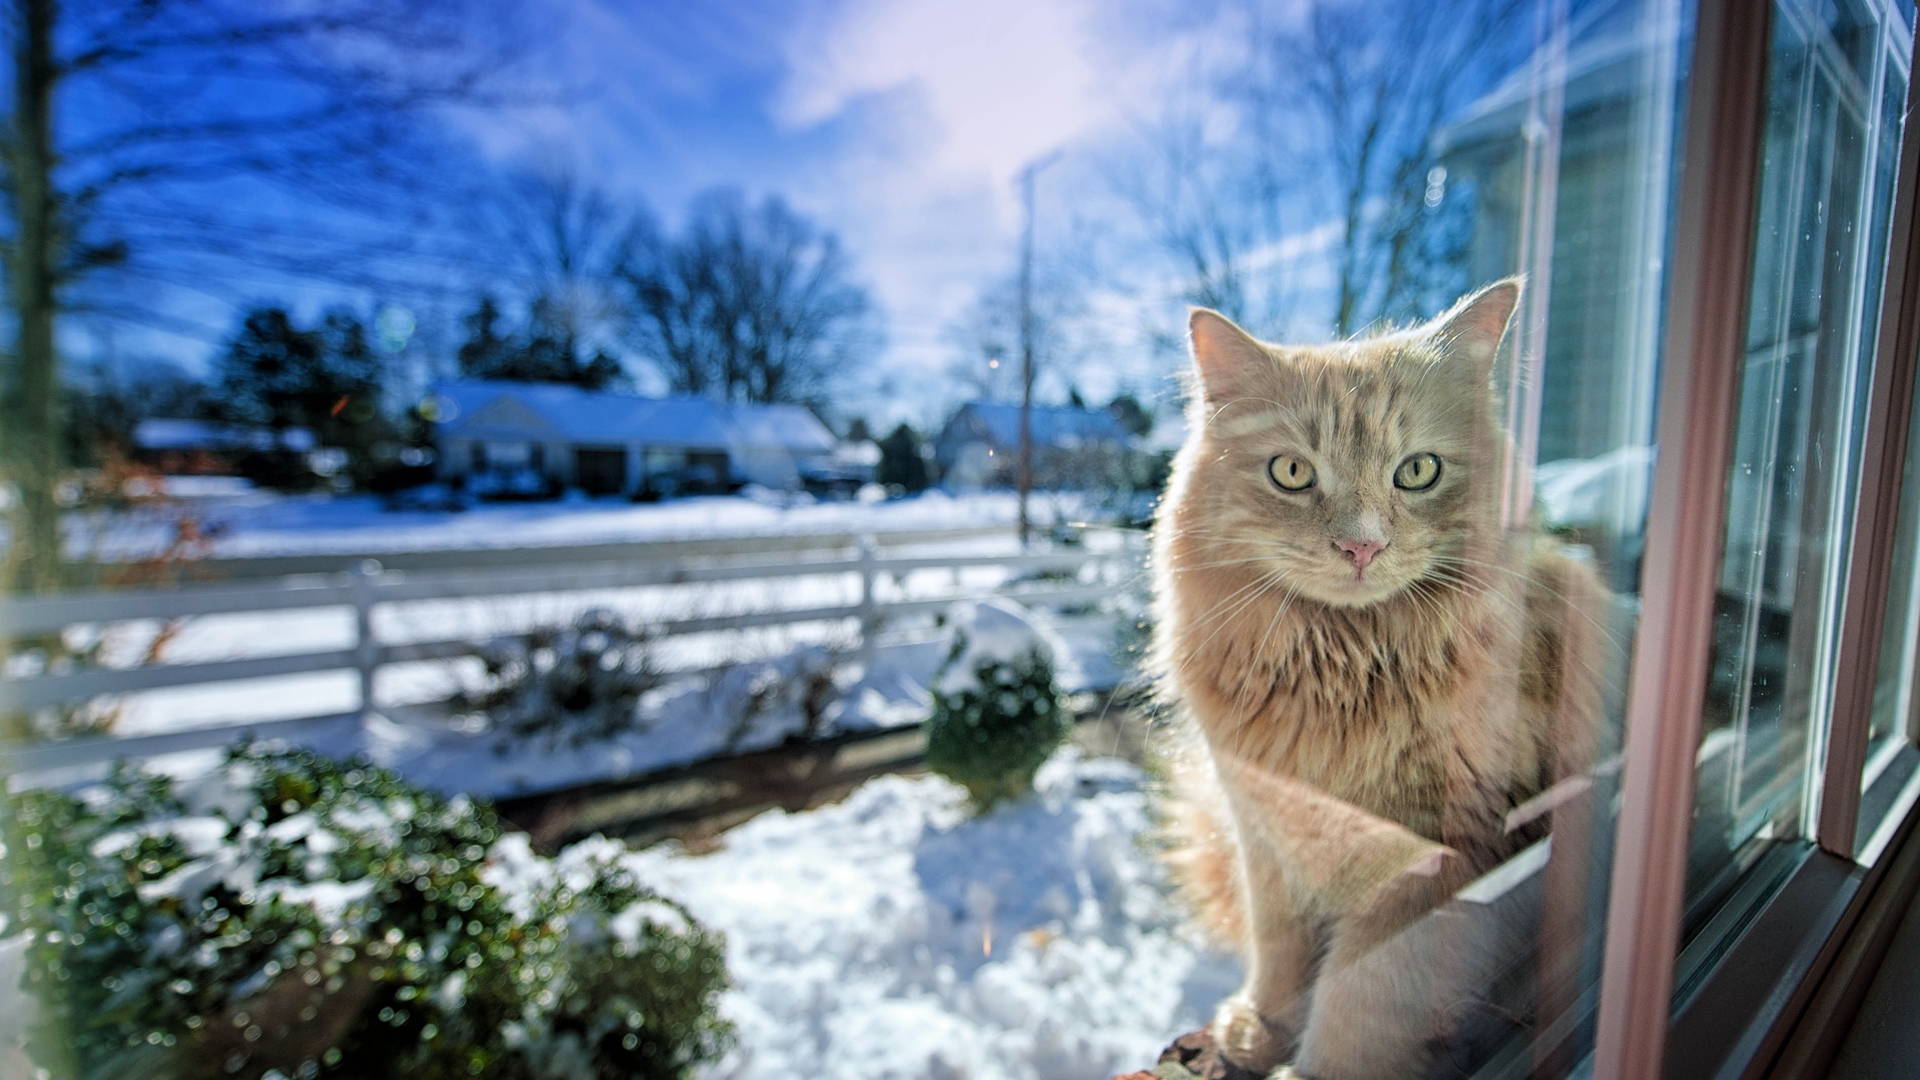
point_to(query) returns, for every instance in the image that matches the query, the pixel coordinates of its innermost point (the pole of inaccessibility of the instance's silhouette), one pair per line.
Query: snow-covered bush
(568, 685)
(794, 693)
(286, 912)
(997, 713)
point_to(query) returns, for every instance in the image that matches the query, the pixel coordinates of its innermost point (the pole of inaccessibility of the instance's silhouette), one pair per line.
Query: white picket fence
(367, 583)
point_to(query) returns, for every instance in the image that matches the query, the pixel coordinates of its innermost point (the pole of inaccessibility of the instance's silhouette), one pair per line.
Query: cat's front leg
(1259, 1026)
(1384, 989)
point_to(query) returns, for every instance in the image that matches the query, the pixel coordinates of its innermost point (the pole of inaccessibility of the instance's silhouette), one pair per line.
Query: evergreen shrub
(990, 733)
(289, 916)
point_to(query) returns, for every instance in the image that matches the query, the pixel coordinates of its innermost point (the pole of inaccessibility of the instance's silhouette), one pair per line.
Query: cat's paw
(1248, 1039)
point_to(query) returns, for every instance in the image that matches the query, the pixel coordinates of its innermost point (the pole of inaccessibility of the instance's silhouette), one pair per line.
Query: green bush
(991, 734)
(288, 914)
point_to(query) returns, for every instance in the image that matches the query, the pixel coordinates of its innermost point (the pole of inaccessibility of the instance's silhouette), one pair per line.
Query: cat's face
(1349, 471)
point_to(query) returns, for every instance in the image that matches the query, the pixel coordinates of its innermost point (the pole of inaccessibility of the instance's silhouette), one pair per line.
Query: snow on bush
(795, 695)
(900, 935)
(285, 912)
(569, 685)
(997, 714)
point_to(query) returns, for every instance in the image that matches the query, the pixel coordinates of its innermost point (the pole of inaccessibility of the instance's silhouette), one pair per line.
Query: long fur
(1352, 745)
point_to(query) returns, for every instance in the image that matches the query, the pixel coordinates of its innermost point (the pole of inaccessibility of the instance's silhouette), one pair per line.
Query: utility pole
(1026, 343)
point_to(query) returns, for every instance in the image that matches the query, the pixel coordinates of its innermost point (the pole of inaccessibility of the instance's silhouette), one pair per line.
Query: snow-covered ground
(731, 708)
(264, 523)
(894, 936)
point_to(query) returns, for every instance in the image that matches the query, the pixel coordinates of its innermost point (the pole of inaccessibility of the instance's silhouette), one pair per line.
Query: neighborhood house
(521, 438)
(1072, 447)
(206, 448)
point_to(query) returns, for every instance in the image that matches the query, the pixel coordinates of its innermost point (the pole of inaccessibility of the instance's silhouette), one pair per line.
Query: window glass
(1835, 98)
(1888, 784)
(633, 541)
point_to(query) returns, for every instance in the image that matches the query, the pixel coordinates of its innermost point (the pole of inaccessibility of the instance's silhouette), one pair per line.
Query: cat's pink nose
(1360, 551)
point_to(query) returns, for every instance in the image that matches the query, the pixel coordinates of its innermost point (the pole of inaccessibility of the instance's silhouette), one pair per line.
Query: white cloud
(1000, 81)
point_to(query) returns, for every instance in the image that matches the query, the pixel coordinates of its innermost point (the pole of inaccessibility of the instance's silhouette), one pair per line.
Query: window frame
(1812, 937)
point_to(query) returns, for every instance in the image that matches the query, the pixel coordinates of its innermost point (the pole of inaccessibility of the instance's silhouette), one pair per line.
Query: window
(1835, 98)
(1539, 683)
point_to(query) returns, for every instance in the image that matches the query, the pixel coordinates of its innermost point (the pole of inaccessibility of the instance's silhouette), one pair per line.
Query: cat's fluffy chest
(1386, 707)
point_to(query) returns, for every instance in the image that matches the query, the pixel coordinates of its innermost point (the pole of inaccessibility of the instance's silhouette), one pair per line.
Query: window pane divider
(1706, 329)
(1883, 455)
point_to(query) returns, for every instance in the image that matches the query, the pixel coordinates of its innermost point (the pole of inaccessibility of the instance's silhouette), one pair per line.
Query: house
(554, 435)
(1602, 314)
(204, 448)
(1072, 447)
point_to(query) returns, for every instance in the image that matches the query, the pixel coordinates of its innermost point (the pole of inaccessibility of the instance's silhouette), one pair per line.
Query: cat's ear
(1227, 357)
(1472, 329)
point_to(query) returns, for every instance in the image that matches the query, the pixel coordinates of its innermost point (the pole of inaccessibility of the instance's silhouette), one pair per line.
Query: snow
(1610, 489)
(999, 631)
(892, 935)
(742, 691)
(889, 935)
(270, 524)
(20, 1011)
(197, 835)
(746, 706)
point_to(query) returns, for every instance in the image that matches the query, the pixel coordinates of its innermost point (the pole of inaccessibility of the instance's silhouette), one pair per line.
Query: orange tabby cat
(1375, 681)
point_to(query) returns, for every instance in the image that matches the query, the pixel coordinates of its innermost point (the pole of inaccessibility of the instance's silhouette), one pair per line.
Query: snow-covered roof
(1067, 428)
(555, 412)
(206, 435)
(790, 427)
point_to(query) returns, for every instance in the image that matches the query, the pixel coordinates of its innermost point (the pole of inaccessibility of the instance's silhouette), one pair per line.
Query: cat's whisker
(1266, 639)
(1459, 560)
(1266, 583)
(1250, 590)
(1188, 568)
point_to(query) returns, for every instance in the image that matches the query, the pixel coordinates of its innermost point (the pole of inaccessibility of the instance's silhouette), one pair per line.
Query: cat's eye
(1290, 472)
(1417, 473)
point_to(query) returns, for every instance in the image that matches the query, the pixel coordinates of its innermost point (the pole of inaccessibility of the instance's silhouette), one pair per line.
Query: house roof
(790, 427)
(999, 425)
(161, 434)
(555, 412)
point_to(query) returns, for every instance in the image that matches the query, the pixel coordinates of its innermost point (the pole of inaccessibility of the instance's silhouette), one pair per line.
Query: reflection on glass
(1835, 96)
(1406, 911)
(1398, 916)
(1890, 780)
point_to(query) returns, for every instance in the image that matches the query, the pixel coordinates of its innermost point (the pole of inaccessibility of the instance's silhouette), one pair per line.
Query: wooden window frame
(1776, 1000)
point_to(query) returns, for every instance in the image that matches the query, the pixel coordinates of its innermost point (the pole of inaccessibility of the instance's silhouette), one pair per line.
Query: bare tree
(558, 246)
(1375, 86)
(985, 338)
(567, 241)
(748, 303)
(130, 121)
(1214, 211)
(1338, 106)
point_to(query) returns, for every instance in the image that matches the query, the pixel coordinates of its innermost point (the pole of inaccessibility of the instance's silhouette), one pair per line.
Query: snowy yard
(262, 523)
(267, 524)
(892, 936)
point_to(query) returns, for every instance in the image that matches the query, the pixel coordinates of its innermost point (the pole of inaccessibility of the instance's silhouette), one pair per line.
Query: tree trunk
(34, 562)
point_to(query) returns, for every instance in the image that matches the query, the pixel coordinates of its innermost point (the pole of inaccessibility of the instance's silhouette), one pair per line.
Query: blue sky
(898, 124)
